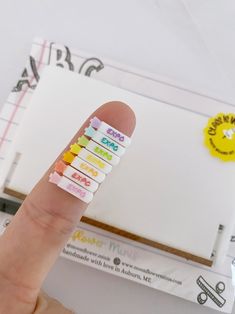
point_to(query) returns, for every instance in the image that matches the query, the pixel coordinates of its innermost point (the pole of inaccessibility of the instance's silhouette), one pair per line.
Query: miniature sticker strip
(99, 151)
(88, 169)
(105, 141)
(88, 161)
(71, 187)
(95, 161)
(76, 176)
(90, 158)
(84, 167)
(111, 132)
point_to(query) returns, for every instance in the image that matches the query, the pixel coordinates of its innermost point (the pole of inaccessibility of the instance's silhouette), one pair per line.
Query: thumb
(44, 222)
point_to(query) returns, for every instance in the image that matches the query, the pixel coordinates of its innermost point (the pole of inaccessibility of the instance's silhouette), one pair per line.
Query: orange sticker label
(220, 136)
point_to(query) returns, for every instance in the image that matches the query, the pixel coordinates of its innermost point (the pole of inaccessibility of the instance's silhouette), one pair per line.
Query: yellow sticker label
(220, 136)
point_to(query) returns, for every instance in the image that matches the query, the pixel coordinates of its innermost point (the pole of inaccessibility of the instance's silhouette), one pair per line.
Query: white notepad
(167, 188)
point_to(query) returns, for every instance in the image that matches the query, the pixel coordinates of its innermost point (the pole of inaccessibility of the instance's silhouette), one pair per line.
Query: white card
(174, 191)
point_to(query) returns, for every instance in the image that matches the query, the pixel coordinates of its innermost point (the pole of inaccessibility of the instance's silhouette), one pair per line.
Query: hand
(40, 229)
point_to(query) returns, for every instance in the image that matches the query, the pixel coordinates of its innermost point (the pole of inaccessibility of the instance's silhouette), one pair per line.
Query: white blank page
(167, 187)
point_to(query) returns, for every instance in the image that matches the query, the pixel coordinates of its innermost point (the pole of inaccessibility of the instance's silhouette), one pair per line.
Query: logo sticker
(220, 136)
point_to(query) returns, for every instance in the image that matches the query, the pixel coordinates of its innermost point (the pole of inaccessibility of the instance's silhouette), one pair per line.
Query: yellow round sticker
(220, 136)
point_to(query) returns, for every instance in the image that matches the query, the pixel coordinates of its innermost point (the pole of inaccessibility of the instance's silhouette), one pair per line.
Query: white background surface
(189, 42)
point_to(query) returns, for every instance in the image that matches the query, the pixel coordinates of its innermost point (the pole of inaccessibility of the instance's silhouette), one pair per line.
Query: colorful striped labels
(89, 160)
